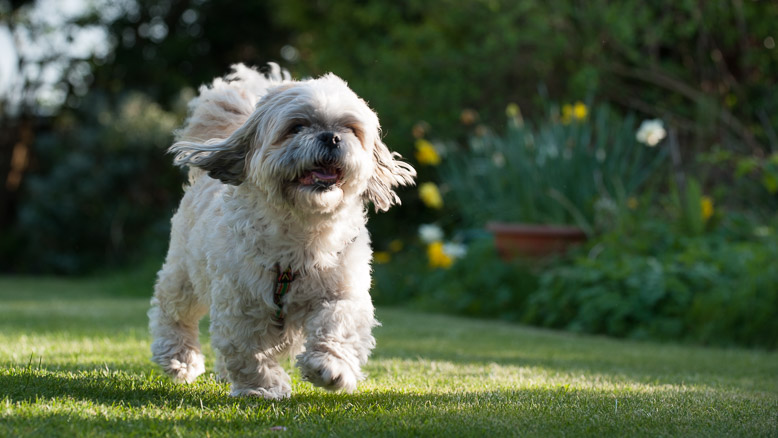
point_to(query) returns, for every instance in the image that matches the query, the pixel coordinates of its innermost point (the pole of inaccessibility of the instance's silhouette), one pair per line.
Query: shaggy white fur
(291, 166)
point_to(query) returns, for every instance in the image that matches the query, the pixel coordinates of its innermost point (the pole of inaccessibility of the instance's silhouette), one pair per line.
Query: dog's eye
(296, 129)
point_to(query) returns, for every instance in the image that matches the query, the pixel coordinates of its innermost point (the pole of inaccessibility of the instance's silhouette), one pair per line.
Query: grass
(74, 361)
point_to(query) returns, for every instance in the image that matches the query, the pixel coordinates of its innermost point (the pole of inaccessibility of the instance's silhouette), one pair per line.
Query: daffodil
(580, 111)
(426, 153)
(576, 111)
(437, 256)
(430, 195)
(514, 114)
(567, 113)
(512, 110)
(382, 257)
(706, 207)
(454, 250)
(429, 233)
(651, 132)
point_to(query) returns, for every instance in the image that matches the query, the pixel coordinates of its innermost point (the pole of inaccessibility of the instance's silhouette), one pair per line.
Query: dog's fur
(257, 146)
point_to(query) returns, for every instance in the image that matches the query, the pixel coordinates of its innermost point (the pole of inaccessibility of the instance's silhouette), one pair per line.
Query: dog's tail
(224, 105)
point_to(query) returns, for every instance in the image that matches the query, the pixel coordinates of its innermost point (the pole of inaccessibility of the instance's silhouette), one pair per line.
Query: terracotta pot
(533, 241)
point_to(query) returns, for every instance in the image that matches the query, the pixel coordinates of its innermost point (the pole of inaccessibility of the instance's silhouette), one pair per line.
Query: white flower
(651, 132)
(454, 250)
(429, 233)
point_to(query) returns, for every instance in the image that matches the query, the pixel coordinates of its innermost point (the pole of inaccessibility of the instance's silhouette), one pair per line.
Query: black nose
(329, 139)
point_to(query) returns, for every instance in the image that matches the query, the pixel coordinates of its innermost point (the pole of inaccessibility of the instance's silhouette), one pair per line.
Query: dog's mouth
(323, 177)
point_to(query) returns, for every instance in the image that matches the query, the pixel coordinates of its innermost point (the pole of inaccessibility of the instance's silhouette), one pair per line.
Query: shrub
(102, 190)
(476, 284)
(654, 283)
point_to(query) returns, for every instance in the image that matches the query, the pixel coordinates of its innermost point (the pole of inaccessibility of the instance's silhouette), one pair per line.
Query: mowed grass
(74, 361)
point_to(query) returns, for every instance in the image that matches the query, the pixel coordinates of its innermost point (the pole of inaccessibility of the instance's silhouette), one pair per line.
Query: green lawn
(74, 361)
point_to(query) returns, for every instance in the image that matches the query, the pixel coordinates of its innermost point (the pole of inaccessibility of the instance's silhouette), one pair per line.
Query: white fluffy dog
(270, 235)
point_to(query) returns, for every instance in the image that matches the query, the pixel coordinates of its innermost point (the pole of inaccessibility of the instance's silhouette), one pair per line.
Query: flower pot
(533, 241)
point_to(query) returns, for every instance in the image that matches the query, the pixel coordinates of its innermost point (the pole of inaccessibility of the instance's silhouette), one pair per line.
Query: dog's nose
(329, 139)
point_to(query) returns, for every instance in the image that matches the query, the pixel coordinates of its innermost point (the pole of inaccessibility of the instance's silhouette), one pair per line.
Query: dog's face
(312, 145)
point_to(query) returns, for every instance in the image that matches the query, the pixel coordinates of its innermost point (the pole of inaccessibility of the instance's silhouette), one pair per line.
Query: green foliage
(419, 60)
(705, 66)
(653, 283)
(553, 172)
(752, 180)
(689, 205)
(101, 189)
(478, 284)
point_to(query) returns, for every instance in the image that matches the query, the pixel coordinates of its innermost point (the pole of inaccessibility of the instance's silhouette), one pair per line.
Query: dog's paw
(328, 372)
(185, 367)
(275, 393)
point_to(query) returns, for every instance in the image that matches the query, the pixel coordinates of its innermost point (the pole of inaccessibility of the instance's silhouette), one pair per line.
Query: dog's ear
(224, 160)
(390, 172)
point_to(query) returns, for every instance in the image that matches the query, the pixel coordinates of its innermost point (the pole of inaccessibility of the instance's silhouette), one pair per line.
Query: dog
(270, 235)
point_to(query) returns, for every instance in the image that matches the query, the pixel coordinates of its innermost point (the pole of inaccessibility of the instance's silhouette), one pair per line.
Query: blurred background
(650, 128)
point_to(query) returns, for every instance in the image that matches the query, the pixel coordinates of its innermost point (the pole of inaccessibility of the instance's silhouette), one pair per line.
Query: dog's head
(313, 144)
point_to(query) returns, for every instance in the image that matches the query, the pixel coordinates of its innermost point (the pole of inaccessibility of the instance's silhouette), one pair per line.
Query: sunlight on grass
(76, 363)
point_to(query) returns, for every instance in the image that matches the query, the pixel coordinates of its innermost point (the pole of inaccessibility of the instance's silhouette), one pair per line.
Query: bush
(477, 284)
(102, 191)
(653, 283)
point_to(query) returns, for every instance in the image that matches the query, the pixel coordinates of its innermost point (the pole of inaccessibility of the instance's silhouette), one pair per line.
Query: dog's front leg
(338, 343)
(248, 347)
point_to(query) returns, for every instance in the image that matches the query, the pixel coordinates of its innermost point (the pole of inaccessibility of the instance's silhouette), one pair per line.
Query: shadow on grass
(101, 386)
(132, 405)
(405, 336)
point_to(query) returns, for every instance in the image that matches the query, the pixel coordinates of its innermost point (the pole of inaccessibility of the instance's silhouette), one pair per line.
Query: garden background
(524, 111)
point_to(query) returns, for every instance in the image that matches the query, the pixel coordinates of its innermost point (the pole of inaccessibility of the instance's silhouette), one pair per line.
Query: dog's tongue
(320, 176)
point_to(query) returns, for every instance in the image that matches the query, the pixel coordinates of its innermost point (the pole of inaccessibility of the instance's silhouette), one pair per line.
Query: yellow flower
(706, 206)
(430, 195)
(382, 257)
(512, 110)
(580, 111)
(426, 153)
(632, 203)
(437, 257)
(396, 245)
(514, 114)
(567, 113)
(577, 111)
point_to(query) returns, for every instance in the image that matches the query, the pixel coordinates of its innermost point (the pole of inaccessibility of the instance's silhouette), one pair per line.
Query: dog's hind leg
(173, 323)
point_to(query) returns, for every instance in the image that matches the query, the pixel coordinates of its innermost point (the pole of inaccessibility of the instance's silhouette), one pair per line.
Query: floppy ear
(224, 160)
(390, 172)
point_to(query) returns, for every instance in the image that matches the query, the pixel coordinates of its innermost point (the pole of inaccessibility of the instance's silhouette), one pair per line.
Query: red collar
(283, 280)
